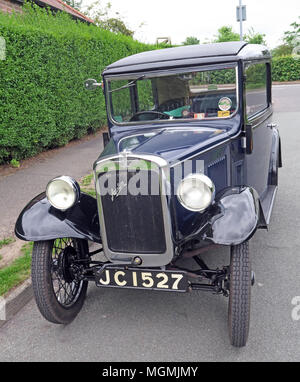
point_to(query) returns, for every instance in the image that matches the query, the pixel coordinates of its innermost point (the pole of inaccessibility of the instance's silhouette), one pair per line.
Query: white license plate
(175, 281)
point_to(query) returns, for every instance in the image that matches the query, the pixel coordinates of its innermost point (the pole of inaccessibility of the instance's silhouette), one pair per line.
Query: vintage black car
(190, 163)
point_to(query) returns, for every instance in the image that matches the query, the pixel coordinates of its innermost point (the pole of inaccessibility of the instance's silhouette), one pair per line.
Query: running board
(268, 201)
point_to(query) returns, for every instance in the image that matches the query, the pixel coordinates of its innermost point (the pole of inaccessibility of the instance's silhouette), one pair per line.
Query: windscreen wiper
(127, 85)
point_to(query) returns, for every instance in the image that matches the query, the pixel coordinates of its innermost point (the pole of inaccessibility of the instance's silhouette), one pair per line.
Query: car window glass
(120, 100)
(145, 95)
(189, 95)
(256, 88)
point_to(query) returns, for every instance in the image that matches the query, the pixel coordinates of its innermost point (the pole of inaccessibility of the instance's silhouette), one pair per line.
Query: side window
(256, 88)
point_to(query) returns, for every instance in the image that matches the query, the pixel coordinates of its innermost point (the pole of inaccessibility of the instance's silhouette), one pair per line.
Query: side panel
(258, 162)
(40, 221)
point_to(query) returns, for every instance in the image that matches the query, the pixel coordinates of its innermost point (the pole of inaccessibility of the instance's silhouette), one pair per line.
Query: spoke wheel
(58, 291)
(66, 287)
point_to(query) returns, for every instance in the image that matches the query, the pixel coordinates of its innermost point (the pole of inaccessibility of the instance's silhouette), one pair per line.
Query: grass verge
(16, 272)
(87, 185)
(6, 241)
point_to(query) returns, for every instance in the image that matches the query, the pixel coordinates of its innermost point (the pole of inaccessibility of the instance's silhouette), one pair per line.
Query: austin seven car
(188, 173)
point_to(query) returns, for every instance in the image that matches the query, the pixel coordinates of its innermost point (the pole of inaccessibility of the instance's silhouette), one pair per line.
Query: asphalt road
(120, 325)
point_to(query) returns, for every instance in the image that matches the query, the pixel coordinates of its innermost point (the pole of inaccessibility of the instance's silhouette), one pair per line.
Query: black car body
(196, 121)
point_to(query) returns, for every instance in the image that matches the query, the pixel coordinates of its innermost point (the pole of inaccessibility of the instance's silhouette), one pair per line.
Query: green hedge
(43, 103)
(285, 68)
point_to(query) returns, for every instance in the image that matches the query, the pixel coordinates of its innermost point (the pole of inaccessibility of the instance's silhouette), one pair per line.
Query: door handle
(271, 125)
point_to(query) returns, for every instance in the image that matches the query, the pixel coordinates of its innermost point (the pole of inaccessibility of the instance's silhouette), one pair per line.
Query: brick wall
(9, 6)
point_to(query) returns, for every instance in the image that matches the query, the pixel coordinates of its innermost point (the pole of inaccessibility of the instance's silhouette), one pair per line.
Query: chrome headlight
(63, 192)
(196, 192)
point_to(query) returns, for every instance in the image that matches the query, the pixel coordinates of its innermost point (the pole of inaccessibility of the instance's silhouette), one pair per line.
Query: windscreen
(198, 94)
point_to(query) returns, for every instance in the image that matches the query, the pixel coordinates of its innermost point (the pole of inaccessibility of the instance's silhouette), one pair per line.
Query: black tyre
(239, 294)
(58, 293)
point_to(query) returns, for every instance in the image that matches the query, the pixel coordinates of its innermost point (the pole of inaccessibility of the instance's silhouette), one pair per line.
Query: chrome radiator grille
(134, 223)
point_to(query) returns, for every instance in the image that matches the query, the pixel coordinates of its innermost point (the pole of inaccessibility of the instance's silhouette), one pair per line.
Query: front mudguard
(238, 215)
(40, 221)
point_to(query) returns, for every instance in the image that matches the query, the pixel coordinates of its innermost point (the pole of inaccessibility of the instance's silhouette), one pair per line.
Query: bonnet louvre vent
(217, 171)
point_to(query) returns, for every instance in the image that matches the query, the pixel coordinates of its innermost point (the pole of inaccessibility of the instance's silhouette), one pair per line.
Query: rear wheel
(239, 294)
(59, 294)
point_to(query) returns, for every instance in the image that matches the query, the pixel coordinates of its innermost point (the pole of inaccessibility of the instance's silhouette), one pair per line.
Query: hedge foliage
(285, 68)
(43, 103)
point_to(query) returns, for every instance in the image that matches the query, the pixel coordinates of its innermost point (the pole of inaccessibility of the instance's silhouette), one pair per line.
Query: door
(258, 114)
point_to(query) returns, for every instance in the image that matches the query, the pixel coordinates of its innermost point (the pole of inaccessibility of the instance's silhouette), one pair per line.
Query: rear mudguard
(40, 221)
(276, 159)
(238, 215)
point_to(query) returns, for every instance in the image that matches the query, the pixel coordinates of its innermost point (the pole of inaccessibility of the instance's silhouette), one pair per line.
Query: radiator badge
(115, 192)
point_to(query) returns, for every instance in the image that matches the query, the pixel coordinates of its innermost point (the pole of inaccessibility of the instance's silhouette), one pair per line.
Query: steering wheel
(148, 116)
(171, 103)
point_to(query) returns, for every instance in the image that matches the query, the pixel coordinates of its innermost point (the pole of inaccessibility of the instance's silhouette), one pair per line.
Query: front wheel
(239, 294)
(59, 294)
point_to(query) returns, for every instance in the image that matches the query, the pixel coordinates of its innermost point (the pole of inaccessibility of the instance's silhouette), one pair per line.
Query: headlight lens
(196, 192)
(63, 192)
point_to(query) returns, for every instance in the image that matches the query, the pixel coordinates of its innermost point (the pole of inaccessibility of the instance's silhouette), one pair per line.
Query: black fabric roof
(182, 52)
(188, 56)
